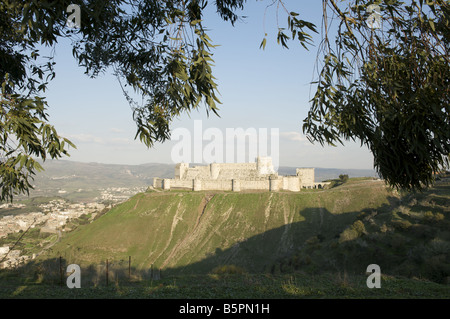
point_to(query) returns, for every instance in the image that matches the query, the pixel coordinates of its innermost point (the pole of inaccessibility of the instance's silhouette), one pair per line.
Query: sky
(259, 90)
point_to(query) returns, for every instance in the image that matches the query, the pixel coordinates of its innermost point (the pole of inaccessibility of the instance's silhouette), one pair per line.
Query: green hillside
(188, 233)
(316, 243)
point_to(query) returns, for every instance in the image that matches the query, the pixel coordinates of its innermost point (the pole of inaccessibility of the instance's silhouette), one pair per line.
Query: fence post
(60, 272)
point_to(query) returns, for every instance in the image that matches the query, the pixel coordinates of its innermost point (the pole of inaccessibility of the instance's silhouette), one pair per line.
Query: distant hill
(77, 180)
(73, 175)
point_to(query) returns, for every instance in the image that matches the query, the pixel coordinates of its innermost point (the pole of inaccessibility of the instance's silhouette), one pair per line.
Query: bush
(439, 247)
(358, 226)
(431, 218)
(397, 241)
(423, 231)
(354, 231)
(276, 269)
(348, 234)
(401, 224)
(313, 241)
(438, 268)
(228, 269)
(343, 178)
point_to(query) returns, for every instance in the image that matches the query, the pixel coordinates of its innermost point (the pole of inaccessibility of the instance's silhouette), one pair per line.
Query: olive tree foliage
(25, 132)
(158, 49)
(384, 81)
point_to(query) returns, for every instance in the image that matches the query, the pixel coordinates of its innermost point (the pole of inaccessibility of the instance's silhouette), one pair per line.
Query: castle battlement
(259, 175)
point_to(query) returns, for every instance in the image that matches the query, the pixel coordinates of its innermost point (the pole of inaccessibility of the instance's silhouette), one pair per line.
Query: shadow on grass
(316, 237)
(256, 254)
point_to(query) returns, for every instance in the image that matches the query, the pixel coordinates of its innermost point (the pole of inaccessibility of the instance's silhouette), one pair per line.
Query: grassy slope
(311, 244)
(246, 286)
(176, 232)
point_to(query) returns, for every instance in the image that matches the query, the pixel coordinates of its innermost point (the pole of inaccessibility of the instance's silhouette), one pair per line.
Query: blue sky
(258, 89)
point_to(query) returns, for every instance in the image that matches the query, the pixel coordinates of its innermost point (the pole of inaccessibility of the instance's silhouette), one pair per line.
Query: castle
(236, 177)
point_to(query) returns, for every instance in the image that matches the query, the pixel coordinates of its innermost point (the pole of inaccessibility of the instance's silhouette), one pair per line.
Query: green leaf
(263, 44)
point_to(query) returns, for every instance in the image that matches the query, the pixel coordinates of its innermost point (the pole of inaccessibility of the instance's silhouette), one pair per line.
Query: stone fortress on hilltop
(236, 177)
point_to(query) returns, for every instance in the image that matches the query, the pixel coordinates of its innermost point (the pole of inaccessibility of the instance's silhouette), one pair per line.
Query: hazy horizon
(173, 164)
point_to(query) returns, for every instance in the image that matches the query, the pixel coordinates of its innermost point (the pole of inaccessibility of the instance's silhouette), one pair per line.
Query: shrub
(343, 178)
(276, 269)
(423, 231)
(401, 224)
(228, 269)
(439, 247)
(358, 226)
(438, 269)
(352, 232)
(429, 217)
(313, 241)
(347, 235)
(397, 241)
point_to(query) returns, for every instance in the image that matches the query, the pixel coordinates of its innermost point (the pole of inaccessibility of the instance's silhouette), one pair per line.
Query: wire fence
(109, 272)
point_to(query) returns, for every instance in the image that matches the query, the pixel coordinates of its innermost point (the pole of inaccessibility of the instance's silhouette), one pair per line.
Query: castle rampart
(237, 177)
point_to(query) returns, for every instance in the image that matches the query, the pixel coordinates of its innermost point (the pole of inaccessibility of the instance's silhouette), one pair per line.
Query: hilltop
(342, 229)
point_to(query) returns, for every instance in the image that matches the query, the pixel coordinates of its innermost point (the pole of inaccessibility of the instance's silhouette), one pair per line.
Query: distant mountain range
(72, 175)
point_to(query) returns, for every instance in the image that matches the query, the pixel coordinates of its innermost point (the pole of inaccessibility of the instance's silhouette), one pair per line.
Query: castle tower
(180, 170)
(306, 176)
(264, 165)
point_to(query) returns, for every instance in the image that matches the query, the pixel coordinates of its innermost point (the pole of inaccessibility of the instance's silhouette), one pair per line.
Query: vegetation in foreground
(232, 286)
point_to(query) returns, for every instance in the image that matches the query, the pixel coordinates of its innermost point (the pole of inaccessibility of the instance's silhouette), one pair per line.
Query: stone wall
(288, 183)
(236, 177)
(157, 182)
(217, 185)
(255, 185)
(175, 183)
(291, 183)
(225, 171)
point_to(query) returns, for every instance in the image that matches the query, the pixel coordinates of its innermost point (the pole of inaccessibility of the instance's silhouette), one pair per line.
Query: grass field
(234, 286)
